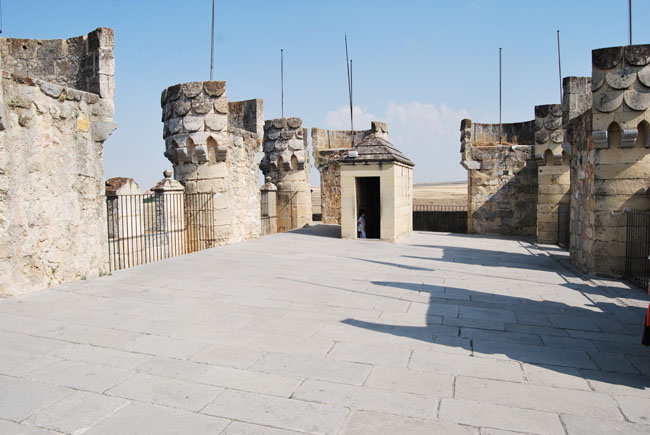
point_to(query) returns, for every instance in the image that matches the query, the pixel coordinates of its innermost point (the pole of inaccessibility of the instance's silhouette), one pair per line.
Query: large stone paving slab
(303, 332)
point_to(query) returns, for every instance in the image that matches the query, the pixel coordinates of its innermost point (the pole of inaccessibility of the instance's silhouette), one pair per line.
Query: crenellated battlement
(548, 134)
(285, 145)
(286, 161)
(621, 96)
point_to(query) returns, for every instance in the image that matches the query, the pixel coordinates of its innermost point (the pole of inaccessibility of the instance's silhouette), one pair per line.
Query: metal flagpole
(212, 43)
(282, 78)
(351, 104)
(349, 64)
(630, 19)
(559, 64)
(499, 94)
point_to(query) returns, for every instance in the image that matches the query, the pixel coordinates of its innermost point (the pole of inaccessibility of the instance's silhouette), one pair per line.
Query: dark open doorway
(368, 200)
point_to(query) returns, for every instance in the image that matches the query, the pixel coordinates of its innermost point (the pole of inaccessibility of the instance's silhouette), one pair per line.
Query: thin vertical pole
(351, 103)
(630, 18)
(282, 78)
(212, 43)
(559, 64)
(499, 94)
(348, 64)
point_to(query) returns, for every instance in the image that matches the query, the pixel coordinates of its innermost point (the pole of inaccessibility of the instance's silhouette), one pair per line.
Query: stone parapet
(502, 178)
(85, 63)
(53, 122)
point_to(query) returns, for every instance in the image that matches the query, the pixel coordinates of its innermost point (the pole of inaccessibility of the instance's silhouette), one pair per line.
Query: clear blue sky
(419, 65)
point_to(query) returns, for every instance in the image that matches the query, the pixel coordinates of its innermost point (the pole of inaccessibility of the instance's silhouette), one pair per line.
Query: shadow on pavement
(601, 340)
(320, 230)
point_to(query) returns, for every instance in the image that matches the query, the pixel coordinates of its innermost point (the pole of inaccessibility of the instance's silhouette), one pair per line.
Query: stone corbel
(182, 155)
(628, 138)
(557, 159)
(171, 155)
(286, 164)
(539, 158)
(222, 153)
(201, 152)
(600, 139)
(471, 165)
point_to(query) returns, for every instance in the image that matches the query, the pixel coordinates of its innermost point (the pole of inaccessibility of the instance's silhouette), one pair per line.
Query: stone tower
(610, 159)
(215, 148)
(286, 161)
(552, 170)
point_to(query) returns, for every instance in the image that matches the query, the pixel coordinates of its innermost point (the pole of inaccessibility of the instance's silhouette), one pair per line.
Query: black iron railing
(637, 248)
(143, 228)
(443, 218)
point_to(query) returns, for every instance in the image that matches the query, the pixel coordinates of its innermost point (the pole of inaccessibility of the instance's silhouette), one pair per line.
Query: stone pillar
(553, 170)
(612, 169)
(170, 217)
(269, 212)
(576, 122)
(286, 161)
(125, 222)
(213, 156)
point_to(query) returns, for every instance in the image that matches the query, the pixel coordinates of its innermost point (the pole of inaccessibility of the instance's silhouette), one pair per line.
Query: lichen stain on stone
(82, 122)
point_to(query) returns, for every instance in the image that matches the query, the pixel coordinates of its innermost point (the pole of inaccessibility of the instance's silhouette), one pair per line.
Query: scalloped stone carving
(294, 122)
(541, 137)
(638, 55)
(621, 78)
(637, 100)
(192, 89)
(299, 133)
(279, 123)
(606, 58)
(214, 89)
(552, 123)
(539, 123)
(644, 76)
(557, 136)
(215, 122)
(296, 145)
(608, 101)
(597, 79)
(556, 110)
(286, 134)
(193, 123)
(181, 107)
(274, 134)
(221, 106)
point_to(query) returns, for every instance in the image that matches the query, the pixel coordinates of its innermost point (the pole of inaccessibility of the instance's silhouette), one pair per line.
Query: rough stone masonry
(56, 109)
(215, 147)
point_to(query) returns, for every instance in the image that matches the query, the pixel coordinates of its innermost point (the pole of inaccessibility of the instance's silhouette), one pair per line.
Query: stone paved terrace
(303, 332)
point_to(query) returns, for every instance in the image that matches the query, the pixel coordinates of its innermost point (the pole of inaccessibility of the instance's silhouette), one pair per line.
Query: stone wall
(501, 178)
(286, 161)
(553, 170)
(403, 199)
(329, 146)
(52, 209)
(85, 63)
(211, 154)
(611, 162)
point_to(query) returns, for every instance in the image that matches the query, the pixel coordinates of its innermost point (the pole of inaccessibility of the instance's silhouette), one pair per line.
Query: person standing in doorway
(361, 224)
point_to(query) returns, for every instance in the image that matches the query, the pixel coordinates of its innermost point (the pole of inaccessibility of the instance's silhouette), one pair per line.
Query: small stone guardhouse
(377, 178)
